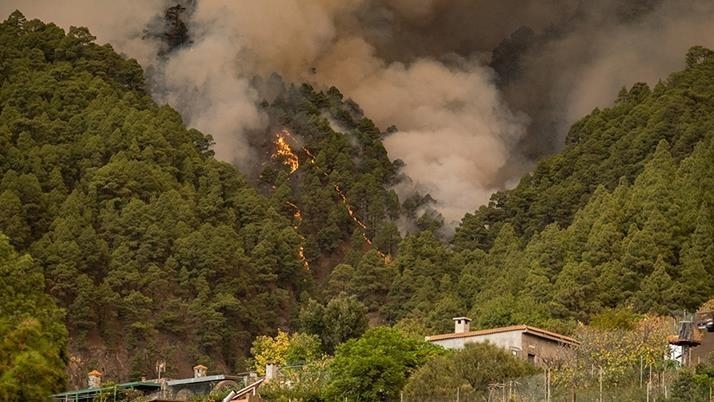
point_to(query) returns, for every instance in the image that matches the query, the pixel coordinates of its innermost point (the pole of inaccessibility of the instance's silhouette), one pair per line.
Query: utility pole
(649, 384)
(547, 385)
(648, 392)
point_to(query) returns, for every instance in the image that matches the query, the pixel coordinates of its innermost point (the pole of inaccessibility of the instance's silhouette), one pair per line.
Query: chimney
(94, 379)
(270, 372)
(461, 325)
(199, 371)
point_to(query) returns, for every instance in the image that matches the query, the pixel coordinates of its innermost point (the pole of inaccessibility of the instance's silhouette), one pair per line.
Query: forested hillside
(622, 217)
(331, 175)
(157, 251)
(145, 239)
(601, 149)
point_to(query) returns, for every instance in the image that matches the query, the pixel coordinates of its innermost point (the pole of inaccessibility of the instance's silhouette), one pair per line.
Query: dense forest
(143, 237)
(148, 248)
(621, 218)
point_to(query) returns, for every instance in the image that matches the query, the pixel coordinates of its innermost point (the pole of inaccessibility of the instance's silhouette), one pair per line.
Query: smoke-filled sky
(475, 103)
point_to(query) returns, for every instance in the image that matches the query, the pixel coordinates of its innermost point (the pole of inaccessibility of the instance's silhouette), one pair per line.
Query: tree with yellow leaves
(616, 357)
(284, 350)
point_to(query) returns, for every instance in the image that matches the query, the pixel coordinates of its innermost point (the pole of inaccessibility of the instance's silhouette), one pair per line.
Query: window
(531, 358)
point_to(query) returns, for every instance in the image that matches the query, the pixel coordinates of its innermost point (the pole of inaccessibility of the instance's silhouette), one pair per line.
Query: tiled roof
(519, 328)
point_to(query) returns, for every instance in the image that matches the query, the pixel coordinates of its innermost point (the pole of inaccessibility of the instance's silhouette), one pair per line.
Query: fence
(638, 384)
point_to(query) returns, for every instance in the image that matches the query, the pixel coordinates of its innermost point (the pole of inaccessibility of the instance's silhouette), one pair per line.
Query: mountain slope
(602, 148)
(620, 219)
(144, 237)
(149, 242)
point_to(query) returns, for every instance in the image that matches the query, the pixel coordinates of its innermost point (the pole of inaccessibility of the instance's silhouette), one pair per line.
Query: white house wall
(506, 340)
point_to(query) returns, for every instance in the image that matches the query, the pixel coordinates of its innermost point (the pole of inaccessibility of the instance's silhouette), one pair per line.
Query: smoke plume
(479, 89)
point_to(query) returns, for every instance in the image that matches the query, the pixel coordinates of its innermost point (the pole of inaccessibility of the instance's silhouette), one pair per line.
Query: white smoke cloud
(210, 94)
(457, 135)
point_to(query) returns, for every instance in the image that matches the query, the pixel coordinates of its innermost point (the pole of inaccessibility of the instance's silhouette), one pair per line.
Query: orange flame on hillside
(297, 215)
(301, 255)
(280, 139)
(282, 150)
(349, 208)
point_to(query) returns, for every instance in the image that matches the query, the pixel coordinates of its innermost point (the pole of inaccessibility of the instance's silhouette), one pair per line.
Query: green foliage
(144, 238)
(376, 366)
(307, 383)
(619, 219)
(470, 371)
(691, 386)
(343, 318)
(284, 350)
(694, 385)
(32, 335)
(617, 318)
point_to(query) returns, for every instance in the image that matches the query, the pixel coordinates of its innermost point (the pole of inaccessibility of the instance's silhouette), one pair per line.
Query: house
(694, 342)
(163, 389)
(114, 392)
(529, 343)
(702, 352)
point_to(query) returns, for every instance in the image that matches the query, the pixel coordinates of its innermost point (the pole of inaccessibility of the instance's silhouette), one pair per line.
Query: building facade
(535, 345)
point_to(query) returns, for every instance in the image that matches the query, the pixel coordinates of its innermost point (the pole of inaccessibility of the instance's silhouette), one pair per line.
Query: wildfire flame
(352, 214)
(282, 150)
(301, 255)
(297, 215)
(298, 219)
(280, 139)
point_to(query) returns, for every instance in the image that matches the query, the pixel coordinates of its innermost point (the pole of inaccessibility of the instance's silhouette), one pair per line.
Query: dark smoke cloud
(538, 70)
(404, 30)
(478, 88)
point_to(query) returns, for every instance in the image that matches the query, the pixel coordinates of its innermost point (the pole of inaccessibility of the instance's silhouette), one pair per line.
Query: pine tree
(657, 292)
(32, 336)
(696, 264)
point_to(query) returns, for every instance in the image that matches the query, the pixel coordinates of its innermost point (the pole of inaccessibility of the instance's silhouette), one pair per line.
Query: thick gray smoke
(422, 65)
(559, 75)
